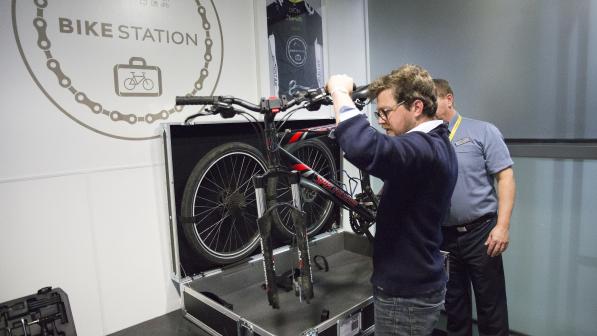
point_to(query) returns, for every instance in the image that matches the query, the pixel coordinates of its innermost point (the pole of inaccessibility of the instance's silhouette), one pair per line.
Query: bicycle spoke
(317, 160)
(249, 181)
(212, 180)
(246, 184)
(205, 214)
(215, 234)
(219, 169)
(216, 204)
(229, 235)
(212, 226)
(211, 236)
(286, 217)
(242, 164)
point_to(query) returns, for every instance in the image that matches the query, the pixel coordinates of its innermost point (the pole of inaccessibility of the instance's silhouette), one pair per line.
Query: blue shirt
(419, 173)
(481, 153)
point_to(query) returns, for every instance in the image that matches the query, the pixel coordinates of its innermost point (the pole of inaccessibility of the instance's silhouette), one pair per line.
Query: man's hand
(498, 240)
(339, 83)
(340, 88)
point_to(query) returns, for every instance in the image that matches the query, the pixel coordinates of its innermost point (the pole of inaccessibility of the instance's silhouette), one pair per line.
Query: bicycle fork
(305, 277)
(264, 221)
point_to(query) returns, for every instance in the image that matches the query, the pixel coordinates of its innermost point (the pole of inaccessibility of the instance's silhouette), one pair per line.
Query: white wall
(86, 211)
(348, 52)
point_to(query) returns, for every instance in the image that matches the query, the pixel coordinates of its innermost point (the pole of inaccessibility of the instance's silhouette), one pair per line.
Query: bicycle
(130, 83)
(229, 218)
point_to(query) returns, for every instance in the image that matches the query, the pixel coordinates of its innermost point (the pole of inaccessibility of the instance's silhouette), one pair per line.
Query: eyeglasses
(383, 113)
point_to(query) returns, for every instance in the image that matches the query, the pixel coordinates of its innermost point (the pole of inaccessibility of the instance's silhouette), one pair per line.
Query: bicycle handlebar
(199, 100)
(313, 98)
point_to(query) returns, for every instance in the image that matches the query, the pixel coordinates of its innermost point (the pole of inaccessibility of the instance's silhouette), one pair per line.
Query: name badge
(462, 141)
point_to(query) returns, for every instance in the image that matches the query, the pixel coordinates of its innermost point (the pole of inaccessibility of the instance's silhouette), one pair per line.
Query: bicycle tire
(319, 210)
(147, 84)
(220, 198)
(129, 84)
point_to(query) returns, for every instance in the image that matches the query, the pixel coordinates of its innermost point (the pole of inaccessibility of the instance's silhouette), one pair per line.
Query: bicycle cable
(285, 118)
(257, 127)
(351, 188)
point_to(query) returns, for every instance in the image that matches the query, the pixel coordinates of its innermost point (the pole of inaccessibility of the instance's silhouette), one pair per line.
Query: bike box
(184, 146)
(231, 300)
(45, 313)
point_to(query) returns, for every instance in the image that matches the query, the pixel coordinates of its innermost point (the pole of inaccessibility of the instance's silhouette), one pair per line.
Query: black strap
(325, 267)
(218, 299)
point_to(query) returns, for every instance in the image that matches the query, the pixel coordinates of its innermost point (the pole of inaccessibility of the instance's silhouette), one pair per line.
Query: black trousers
(470, 264)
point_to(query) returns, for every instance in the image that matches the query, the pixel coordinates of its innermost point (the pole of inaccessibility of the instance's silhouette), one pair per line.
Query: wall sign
(115, 66)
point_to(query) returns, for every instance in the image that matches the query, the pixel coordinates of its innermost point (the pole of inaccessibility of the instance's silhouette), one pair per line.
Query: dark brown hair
(408, 83)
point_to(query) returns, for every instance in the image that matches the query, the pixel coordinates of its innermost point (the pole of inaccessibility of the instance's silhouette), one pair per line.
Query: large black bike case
(230, 299)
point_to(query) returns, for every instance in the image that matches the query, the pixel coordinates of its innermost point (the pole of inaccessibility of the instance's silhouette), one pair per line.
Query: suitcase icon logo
(137, 79)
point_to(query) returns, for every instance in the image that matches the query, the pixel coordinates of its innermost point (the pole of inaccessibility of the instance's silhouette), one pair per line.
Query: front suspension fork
(265, 220)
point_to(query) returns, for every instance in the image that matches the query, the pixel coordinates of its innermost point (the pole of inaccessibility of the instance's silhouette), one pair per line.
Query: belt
(469, 226)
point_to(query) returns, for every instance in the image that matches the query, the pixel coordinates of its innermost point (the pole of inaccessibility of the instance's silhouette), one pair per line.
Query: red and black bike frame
(311, 179)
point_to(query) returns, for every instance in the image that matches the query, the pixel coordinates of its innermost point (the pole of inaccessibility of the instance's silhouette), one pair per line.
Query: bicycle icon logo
(137, 79)
(132, 82)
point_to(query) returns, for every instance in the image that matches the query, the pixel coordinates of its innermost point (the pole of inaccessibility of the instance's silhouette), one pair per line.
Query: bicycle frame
(313, 180)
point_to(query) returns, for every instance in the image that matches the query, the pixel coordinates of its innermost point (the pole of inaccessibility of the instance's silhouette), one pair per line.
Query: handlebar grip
(361, 92)
(198, 100)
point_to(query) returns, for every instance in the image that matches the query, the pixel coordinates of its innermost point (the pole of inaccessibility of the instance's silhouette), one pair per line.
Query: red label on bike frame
(295, 137)
(301, 167)
(327, 185)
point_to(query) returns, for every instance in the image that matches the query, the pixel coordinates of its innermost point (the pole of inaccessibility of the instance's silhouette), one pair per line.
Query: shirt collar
(453, 120)
(426, 126)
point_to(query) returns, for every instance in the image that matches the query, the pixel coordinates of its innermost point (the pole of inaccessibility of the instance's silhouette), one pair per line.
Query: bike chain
(44, 43)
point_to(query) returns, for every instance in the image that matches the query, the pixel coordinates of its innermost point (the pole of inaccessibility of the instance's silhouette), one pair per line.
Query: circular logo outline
(303, 51)
(95, 107)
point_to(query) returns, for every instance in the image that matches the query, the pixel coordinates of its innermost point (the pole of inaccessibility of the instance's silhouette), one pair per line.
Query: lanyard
(455, 128)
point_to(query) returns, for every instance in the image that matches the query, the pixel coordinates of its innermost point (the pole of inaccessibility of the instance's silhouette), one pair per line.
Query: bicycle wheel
(319, 210)
(129, 84)
(147, 84)
(220, 198)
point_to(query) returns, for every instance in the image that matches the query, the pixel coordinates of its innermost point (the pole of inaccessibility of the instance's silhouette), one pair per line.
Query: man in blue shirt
(476, 232)
(418, 166)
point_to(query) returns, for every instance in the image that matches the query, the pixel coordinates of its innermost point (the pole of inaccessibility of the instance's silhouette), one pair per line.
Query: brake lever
(360, 96)
(317, 97)
(204, 112)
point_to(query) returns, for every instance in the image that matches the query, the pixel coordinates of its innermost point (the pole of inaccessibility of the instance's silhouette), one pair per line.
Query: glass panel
(551, 265)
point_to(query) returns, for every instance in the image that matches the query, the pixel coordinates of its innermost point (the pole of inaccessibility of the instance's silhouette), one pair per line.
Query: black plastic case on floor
(45, 313)
(231, 301)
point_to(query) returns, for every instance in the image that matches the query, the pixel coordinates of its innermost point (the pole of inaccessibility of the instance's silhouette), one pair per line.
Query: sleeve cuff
(347, 112)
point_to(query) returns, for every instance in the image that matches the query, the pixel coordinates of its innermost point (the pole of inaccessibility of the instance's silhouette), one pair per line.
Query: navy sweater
(419, 171)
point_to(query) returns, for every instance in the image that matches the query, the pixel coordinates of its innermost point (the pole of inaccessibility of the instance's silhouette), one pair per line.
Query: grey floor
(174, 324)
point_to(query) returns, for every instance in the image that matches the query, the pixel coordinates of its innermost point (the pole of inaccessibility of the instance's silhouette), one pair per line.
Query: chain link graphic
(44, 43)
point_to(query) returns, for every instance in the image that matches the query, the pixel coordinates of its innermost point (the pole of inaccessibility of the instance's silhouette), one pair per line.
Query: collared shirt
(426, 126)
(347, 112)
(481, 153)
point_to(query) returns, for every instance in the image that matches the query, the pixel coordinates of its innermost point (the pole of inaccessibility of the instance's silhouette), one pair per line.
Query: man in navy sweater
(418, 166)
